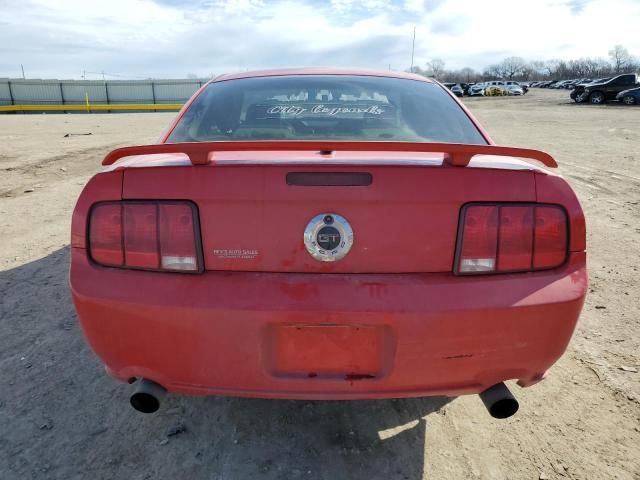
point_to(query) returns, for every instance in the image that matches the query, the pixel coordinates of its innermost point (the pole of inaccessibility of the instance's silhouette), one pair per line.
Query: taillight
(500, 238)
(105, 233)
(149, 235)
(479, 248)
(550, 244)
(140, 232)
(176, 232)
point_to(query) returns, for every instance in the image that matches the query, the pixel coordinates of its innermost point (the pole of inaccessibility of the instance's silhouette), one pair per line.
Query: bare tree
(493, 71)
(435, 68)
(620, 58)
(516, 68)
(512, 67)
(528, 71)
(418, 70)
(537, 67)
(563, 70)
(602, 68)
(551, 66)
(467, 74)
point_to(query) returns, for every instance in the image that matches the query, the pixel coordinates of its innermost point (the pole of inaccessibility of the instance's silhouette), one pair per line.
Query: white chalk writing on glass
(322, 109)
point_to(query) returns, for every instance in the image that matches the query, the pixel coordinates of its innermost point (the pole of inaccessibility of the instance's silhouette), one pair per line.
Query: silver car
(476, 90)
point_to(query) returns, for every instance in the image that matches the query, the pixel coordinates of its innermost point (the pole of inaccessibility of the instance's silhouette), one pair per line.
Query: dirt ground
(61, 417)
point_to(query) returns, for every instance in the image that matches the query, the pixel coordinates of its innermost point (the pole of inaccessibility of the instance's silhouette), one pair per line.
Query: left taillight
(504, 238)
(147, 235)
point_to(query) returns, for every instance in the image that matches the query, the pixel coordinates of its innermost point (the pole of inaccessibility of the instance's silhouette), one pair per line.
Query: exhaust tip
(144, 402)
(499, 401)
(504, 408)
(146, 398)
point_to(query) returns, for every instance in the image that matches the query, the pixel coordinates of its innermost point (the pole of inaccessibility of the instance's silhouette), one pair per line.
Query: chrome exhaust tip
(147, 397)
(499, 401)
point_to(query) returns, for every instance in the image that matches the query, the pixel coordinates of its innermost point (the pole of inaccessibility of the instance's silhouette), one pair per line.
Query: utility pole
(84, 75)
(413, 47)
(22, 67)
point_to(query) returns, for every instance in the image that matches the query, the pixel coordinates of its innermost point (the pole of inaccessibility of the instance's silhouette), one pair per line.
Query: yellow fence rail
(91, 107)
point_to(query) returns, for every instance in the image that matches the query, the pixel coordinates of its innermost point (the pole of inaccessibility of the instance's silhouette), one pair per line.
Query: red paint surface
(405, 221)
(203, 153)
(210, 334)
(388, 320)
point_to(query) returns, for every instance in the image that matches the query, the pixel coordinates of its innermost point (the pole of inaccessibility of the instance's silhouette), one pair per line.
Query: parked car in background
(495, 91)
(571, 85)
(599, 92)
(629, 97)
(476, 90)
(561, 84)
(495, 88)
(521, 86)
(458, 90)
(514, 89)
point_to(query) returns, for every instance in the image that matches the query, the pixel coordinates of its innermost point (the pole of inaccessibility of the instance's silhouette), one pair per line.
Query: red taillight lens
(150, 235)
(178, 249)
(516, 238)
(106, 234)
(550, 244)
(511, 238)
(141, 235)
(478, 252)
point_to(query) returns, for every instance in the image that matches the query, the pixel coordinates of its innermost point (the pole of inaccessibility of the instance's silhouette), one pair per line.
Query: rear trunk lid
(403, 209)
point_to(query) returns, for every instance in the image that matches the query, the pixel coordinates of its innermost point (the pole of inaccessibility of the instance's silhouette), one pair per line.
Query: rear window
(325, 107)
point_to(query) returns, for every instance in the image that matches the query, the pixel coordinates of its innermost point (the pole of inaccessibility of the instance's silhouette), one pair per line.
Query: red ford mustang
(327, 234)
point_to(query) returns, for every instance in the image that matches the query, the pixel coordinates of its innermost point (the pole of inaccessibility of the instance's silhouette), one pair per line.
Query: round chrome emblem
(328, 237)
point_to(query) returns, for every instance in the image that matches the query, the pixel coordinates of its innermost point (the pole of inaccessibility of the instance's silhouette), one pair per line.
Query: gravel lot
(61, 417)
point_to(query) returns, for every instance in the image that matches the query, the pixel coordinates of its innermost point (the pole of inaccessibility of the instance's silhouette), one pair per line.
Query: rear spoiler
(455, 154)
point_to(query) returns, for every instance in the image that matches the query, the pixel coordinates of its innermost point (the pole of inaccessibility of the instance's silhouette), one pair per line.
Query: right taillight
(501, 238)
(149, 235)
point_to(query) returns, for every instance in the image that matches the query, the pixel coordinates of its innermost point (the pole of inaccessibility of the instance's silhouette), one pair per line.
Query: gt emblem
(328, 237)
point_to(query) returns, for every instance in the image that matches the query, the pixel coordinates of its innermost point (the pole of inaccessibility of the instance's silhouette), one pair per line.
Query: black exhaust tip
(499, 401)
(147, 397)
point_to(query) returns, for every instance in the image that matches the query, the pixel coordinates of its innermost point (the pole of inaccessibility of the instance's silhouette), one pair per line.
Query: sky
(177, 38)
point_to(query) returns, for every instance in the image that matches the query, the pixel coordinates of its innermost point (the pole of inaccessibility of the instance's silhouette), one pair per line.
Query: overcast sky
(173, 38)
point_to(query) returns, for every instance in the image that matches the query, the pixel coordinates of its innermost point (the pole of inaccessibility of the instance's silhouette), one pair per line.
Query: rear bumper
(327, 336)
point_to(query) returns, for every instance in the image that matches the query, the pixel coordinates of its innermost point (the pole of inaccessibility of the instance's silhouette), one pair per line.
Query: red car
(327, 234)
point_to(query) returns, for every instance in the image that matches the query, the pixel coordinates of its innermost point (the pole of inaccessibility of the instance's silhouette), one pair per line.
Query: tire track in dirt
(24, 179)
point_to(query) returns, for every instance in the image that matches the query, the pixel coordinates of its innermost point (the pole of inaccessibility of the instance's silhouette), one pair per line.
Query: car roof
(321, 71)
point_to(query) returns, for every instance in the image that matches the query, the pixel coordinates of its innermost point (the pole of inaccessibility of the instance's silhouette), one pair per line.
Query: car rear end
(425, 272)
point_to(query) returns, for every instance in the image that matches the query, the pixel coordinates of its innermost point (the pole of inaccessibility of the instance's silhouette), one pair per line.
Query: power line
(120, 75)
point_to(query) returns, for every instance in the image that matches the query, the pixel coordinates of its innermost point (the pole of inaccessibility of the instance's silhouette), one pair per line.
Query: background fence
(74, 92)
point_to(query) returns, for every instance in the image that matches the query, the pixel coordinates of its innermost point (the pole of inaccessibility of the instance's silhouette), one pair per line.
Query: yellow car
(495, 91)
